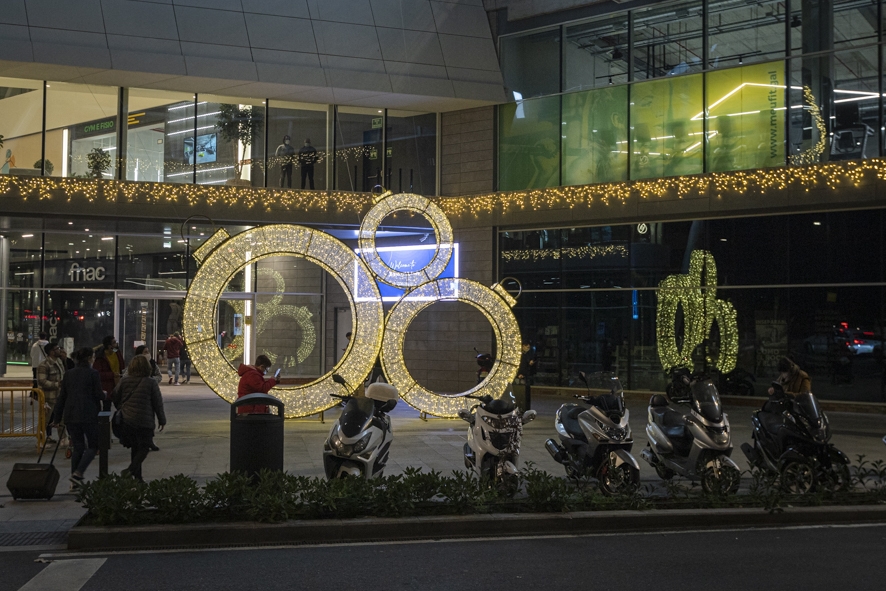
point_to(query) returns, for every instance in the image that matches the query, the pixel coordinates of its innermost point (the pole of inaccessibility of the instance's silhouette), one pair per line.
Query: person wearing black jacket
(138, 398)
(79, 402)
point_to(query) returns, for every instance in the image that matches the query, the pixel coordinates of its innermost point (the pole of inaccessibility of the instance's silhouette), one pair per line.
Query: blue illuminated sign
(408, 259)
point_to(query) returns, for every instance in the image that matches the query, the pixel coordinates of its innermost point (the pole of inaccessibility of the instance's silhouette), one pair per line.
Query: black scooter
(791, 441)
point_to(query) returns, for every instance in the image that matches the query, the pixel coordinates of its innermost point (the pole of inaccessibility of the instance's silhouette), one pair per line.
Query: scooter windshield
(356, 414)
(807, 405)
(706, 401)
(606, 381)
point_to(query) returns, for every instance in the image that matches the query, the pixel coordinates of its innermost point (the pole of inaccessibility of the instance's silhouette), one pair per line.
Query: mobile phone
(277, 374)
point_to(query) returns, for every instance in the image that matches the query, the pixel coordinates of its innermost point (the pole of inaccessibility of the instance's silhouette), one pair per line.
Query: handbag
(117, 423)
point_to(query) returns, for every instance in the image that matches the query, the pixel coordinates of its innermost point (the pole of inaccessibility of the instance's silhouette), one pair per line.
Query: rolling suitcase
(34, 481)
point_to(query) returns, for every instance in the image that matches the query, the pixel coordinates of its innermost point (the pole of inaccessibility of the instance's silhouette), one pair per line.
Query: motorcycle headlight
(720, 436)
(614, 433)
(361, 445)
(497, 422)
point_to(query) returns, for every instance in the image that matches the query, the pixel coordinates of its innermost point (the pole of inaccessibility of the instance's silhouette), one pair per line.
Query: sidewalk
(196, 443)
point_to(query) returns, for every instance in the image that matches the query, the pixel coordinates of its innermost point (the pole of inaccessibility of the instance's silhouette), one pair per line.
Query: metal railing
(23, 413)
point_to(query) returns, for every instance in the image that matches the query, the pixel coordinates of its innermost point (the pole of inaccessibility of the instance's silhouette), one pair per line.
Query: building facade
(586, 149)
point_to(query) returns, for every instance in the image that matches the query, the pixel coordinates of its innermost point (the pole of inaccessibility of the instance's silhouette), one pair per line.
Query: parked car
(819, 342)
(862, 342)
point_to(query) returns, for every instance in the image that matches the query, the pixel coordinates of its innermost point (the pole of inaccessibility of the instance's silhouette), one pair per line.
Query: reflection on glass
(746, 112)
(80, 318)
(22, 323)
(79, 260)
(297, 145)
(358, 146)
(230, 145)
(742, 32)
(160, 124)
(595, 136)
(531, 63)
(81, 129)
(21, 120)
(411, 152)
(595, 54)
(153, 262)
(856, 105)
(529, 144)
(666, 127)
(667, 40)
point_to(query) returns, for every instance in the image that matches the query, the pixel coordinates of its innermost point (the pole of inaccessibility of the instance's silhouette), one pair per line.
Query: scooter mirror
(464, 414)
(583, 377)
(529, 415)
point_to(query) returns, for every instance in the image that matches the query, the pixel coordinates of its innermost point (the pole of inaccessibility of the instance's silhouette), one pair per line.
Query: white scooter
(360, 439)
(494, 434)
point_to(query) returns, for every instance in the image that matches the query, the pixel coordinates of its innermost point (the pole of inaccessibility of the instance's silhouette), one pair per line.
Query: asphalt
(196, 443)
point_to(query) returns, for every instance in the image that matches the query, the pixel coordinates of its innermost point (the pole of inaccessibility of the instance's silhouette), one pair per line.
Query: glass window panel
(595, 54)
(21, 121)
(230, 144)
(855, 23)
(811, 109)
(81, 129)
(667, 40)
(529, 144)
(666, 127)
(358, 146)
(745, 32)
(23, 324)
(160, 124)
(855, 114)
(153, 262)
(82, 260)
(412, 152)
(745, 109)
(84, 317)
(304, 124)
(25, 259)
(595, 136)
(531, 63)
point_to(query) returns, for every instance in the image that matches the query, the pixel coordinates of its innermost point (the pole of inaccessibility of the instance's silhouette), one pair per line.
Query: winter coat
(139, 399)
(37, 353)
(80, 398)
(252, 382)
(49, 378)
(797, 381)
(103, 366)
(173, 347)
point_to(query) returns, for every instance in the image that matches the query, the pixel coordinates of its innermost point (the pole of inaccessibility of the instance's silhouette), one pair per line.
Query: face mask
(114, 349)
(286, 142)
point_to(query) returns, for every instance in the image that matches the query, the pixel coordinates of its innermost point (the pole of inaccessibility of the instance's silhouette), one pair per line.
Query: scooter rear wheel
(797, 478)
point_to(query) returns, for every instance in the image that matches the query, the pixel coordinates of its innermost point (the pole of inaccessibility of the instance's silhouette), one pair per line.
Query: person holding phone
(253, 381)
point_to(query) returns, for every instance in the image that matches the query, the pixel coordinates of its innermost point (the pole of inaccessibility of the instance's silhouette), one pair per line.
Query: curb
(372, 529)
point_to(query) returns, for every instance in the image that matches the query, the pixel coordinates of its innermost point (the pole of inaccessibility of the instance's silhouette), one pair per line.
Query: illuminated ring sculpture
(495, 303)
(223, 257)
(423, 206)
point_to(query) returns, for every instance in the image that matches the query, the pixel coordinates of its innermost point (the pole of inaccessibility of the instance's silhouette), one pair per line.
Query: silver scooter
(595, 438)
(360, 439)
(694, 444)
(496, 429)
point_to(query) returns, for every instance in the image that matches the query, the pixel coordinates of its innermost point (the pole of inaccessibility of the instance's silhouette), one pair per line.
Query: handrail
(21, 415)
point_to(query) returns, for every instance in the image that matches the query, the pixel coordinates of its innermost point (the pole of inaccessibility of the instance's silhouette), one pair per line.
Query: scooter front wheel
(797, 478)
(623, 479)
(723, 481)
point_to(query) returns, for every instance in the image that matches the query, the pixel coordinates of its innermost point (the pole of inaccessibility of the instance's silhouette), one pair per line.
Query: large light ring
(494, 303)
(423, 206)
(230, 256)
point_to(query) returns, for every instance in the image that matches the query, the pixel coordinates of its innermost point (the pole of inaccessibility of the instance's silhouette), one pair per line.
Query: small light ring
(423, 206)
(497, 311)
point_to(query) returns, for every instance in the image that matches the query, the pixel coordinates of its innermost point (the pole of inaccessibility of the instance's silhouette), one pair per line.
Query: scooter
(595, 437)
(360, 439)
(496, 428)
(694, 444)
(791, 440)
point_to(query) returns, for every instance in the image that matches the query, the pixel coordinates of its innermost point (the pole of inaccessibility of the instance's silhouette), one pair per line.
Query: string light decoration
(494, 303)
(387, 204)
(232, 255)
(696, 293)
(579, 252)
(811, 155)
(275, 309)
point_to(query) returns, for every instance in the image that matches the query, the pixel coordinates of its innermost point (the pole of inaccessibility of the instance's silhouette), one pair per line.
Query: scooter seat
(568, 417)
(770, 422)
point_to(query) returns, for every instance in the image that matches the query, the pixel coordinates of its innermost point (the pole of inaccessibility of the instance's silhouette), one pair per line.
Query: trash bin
(256, 439)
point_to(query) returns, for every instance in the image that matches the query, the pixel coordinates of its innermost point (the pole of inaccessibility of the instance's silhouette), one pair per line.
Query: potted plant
(241, 125)
(49, 166)
(98, 161)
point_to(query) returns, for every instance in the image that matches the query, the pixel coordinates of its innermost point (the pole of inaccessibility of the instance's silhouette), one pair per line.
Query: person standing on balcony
(307, 158)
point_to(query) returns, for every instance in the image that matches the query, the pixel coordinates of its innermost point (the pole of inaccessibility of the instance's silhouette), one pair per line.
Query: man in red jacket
(173, 347)
(252, 381)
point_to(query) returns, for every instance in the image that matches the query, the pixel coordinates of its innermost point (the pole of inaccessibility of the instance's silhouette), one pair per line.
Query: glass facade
(591, 295)
(695, 95)
(179, 137)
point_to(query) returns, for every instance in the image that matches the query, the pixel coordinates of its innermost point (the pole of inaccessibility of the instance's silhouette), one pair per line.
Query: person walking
(37, 355)
(526, 370)
(138, 398)
(156, 374)
(79, 402)
(307, 158)
(173, 347)
(186, 363)
(109, 364)
(49, 379)
(252, 381)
